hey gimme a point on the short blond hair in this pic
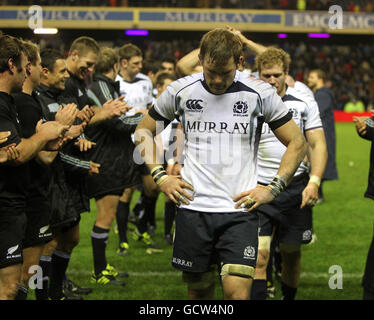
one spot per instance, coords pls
(107, 59)
(271, 57)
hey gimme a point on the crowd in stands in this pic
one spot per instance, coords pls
(349, 68)
(353, 5)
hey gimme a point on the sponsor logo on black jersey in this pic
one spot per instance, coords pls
(240, 109)
(194, 105)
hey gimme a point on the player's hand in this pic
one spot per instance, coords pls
(51, 130)
(84, 144)
(174, 187)
(86, 113)
(252, 199)
(4, 136)
(56, 144)
(115, 108)
(66, 115)
(75, 131)
(176, 169)
(94, 168)
(9, 153)
(309, 195)
(237, 32)
(361, 125)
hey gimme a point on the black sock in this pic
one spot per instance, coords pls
(45, 264)
(60, 262)
(99, 238)
(122, 217)
(21, 293)
(259, 290)
(289, 293)
(139, 206)
(150, 204)
(149, 212)
(169, 216)
(320, 192)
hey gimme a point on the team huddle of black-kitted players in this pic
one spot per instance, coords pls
(48, 123)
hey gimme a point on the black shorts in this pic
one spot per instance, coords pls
(294, 225)
(203, 239)
(12, 231)
(38, 231)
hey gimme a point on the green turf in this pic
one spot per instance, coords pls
(343, 224)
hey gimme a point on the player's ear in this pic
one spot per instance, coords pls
(123, 63)
(45, 72)
(74, 55)
(240, 64)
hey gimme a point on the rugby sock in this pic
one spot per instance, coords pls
(45, 264)
(150, 204)
(139, 206)
(149, 210)
(99, 238)
(169, 216)
(60, 262)
(259, 289)
(21, 293)
(289, 293)
(122, 217)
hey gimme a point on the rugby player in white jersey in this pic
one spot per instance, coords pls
(217, 195)
(137, 90)
(291, 212)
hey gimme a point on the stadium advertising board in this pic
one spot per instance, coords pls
(187, 19)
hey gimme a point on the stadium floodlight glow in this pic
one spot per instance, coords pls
(282, 35)
(136, 32)
(318, 35)
(45, 30)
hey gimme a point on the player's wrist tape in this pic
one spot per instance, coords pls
(277, 185)
(316, 180)
(159, 175)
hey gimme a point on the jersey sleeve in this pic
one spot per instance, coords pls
(6, 124)
(313, 120)
(275, 111)
(165, 104)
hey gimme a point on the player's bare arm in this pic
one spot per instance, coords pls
(290, 135)
(189, 64)
(256, 47)
(317, 155)
(172, 186)
(45, 132)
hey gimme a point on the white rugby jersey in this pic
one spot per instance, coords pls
(222, 133)
(299, 86)
(306, 115)
(138, 94)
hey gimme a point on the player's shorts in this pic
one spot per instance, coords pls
(294, 224)
(38, 231)
(12, 231)
(203, 239)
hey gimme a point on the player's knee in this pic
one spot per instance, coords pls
(291, 253)
(199, 281)
(126, 195)
(238, 270)
(289, 248)
(262, 259)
